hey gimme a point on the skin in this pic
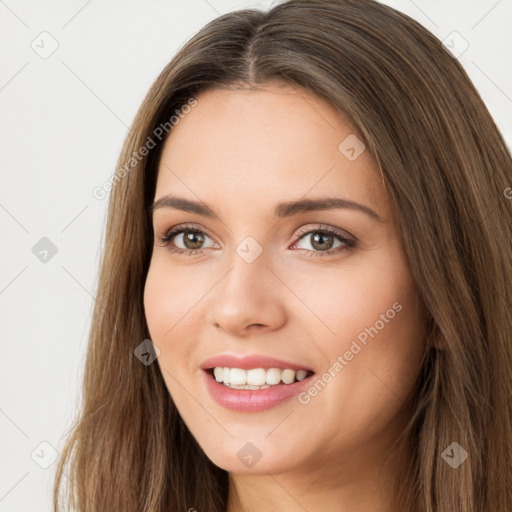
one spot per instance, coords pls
(241, 152)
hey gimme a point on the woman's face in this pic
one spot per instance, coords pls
(260, 287)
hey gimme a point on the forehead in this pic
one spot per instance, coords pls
(259, 147)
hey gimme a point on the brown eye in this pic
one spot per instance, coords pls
(322, 241)
(185, 238)
(192, 239)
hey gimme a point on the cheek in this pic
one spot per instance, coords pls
(373, 342)
(169, 300)
(171, 295)
(344, 300)
(371, 365)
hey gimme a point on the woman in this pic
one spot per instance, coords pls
(304, 301)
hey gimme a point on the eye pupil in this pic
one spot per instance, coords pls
(318, 245)
(189, 236)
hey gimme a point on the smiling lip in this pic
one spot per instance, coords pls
(246, 400)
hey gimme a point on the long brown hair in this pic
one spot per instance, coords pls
(447, 170)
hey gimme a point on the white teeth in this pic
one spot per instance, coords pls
(273, 376)
(301, 375)
(218, 373)
(247, 386)
(238, 377)
(288, 376)
(256, 378)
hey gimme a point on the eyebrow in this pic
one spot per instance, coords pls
(285, 209)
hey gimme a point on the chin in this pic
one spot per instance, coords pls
(241, 456)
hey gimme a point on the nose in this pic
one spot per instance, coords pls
(249, 297)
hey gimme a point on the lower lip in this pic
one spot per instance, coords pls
(246, 400)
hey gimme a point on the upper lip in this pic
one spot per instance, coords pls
(251, 361)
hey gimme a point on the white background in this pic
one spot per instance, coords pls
(62, 122)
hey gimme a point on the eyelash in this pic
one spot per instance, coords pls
(168, 235)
